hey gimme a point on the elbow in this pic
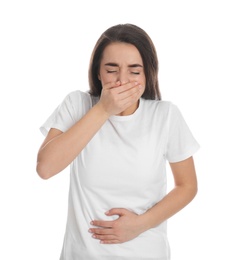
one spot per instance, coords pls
(193, 190)
(42, 171)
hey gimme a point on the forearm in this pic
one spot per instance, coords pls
(130, 225)
(173, 202)
(59, 152)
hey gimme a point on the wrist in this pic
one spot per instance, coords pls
(99, 106)
(144, 222)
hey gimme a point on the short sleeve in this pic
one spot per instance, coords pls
(72, 108)
(181, 143)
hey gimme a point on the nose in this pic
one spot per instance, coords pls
(123, 77)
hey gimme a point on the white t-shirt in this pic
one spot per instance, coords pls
(123, 166)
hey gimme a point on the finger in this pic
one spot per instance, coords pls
(130, 93)
(111, 85)
(126, 87)
(102, 223)
(101, 231)
(131, 98)
(122, 86)
(113, 241)
(116, 211)
(104, 237)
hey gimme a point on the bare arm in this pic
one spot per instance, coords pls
(60, 149)
(184, 191)
(129, 225)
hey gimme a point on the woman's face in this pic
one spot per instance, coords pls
(121, 62)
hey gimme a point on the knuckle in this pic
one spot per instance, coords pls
(132, 91)
(96, 223)
(98, 231)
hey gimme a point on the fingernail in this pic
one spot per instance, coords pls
(107, 212)
(91, 222)
(90, 231)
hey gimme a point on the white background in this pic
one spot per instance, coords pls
(45, 48)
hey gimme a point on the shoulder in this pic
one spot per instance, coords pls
(78, 95)
(158, 105)
(78, 103)
(78, 98)
(160, 109)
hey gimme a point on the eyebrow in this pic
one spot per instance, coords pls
(112, 64)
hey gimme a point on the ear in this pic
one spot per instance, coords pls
(98, 76)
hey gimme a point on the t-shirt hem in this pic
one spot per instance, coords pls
(44, 130)
(186, 155)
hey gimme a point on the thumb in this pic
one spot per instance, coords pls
(116, 211)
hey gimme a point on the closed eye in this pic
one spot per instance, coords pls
(135, 73)
(111, 71)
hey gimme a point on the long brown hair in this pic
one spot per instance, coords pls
(132, 34)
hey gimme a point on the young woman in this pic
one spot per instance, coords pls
(117, 139)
